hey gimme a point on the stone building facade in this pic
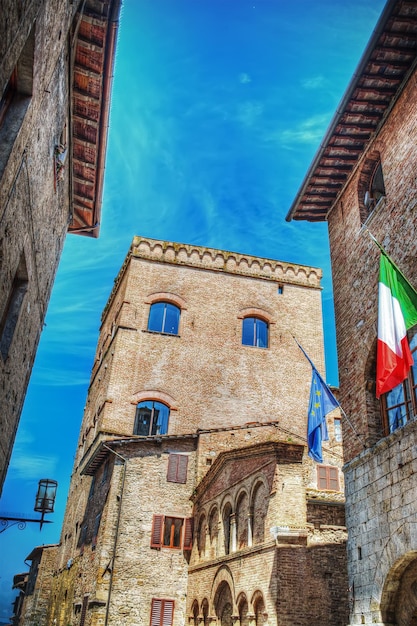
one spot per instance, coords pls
(363, 181)
(192, 497)
(36, 587)
(55, 76)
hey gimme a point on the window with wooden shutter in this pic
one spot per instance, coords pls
(328, 477)
(177, 468)
(156, 535)
(84, 610)
(162, 612)
(172, 532)
(188, 534)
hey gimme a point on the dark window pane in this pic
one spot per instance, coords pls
(177, 532)
(156, 317)
(254, 332)
(151, 418)
(396, 408)
(261, 334)
(143, 420)
(248, 331)
(172, 319)
(160, 419)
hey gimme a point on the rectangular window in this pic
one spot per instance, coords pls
(162, 612)
(8, 95)
(84, 610)
(171, 532)
(15, 99)
(399, 405)
(177, 468)
(337, 429)
(95, 533)
(328, 477)
(105, 472)
(10, 317)
(83, 537)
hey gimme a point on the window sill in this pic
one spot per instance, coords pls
(157, 332)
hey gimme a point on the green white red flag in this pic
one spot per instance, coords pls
(397, 312)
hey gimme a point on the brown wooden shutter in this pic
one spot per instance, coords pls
(177, 468)
(84, 610)
(156, 534)
(168, 612)
(334, 478)
(321, 477)
(162, 612)
(156, 610)
(188, 534)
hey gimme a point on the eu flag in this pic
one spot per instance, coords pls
(322, 401)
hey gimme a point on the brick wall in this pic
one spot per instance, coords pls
(224, 399)
(380, 513)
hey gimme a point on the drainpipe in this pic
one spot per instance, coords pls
(116, 534)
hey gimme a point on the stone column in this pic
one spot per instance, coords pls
(232, 533)
(250, 536)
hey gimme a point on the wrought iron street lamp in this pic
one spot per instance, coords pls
(44, 503)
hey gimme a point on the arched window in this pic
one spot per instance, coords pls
(227, 511)
(371, 186)
(164, 317)
(151, 418)
(255, 332)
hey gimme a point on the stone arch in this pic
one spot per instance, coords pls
(399, 595)
(242, 519)
(258, 509)
(202, 535)
(223, 593)
(226, 513)
(166, 296)
(158, 396)
(213, 531)
(256, 312)
(392, 563)
(205, 612)
(258, 608)
(194, 613)
(243, 609)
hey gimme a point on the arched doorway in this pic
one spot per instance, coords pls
(399, 597)
(224, 605)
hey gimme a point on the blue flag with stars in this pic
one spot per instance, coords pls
(322, 401)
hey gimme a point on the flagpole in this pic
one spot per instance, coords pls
(385, 253)
(340, 407)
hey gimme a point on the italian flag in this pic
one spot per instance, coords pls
(397, 312)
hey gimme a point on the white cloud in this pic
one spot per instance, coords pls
(314, 82)
(249, 112)
(309, 131)
(244, 78)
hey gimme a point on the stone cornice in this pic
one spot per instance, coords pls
(224, 261)
(198, 257)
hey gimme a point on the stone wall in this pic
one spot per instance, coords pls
(39, 585)
(34, 207)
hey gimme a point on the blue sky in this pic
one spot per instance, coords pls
(218, 108)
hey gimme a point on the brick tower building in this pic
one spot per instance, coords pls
(192, 498)
(363, 180)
